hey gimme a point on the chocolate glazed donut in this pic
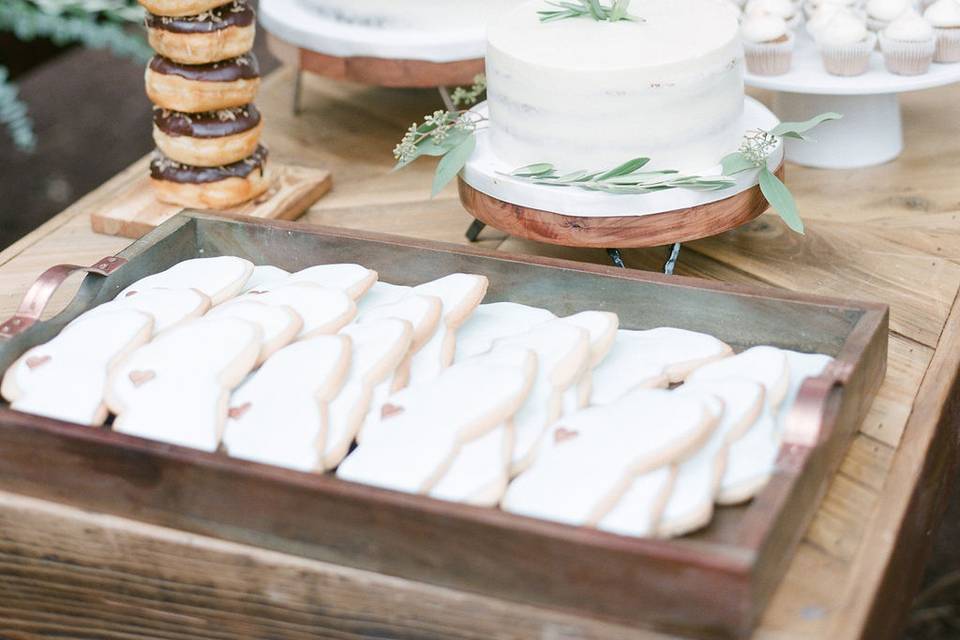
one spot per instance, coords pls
(225, 32)
(202, 87)
(208, 139)
(180, 7)
(210, 187)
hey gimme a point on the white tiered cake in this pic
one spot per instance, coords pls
(414, 15)
(586, 94)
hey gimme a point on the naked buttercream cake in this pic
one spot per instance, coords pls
(414, 15)
(666, 83)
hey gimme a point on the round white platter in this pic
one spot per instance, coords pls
(486, 173)
(297, 23)
(871, 131)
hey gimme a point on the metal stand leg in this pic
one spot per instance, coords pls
(447, 100)
(672, 260)
(297, 90)
(616, 258)
(474, 231)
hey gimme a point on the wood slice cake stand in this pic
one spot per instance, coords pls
(379, 57)
(623, 232)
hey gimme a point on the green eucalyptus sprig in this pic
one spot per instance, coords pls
(625, 178)
(447, 134)
(753, 153)
(578, 8)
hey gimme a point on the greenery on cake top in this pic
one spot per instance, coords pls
(451, 136)
(563, 9)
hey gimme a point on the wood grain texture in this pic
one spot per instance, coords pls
(381, 72)
(135, 211)
(834, 586)
(621, 232)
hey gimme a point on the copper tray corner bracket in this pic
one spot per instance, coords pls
(37, 297)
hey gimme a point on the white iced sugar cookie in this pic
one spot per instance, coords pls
(766, 365)
(323, 310)
(65, 378)
(426, 425)
(278, 415)
(563, 351)
(480, 471)
(650, 359)
(167, 307)
(264, 276)
(379, 294)
(218, 278)
(637, 512)
(690, 505)
(176, 388)
(423, 314)
(377, 349)
(602, 327)
(802, 366)
(279, 324)
(751, 458)
(352, 279)
(591, 458)
(460, 293)
(496, 320)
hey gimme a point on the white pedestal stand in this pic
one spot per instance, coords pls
(871, 131)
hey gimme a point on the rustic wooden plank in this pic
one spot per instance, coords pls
(104, 576)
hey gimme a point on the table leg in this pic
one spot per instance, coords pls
(297, 90)
(672, 259)
(474, 231)
(616, 258)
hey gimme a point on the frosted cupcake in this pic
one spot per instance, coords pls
(944, 15)
(767, 44)
(845, 45)
(781, 8)
(810, 7)
(908, 44)
(881, 13)
(823, 15)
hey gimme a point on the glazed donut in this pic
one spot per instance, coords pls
(180, 7)
(210, 187)
(209, 139)
(203, 87)
(225, 32)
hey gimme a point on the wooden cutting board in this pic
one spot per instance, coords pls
(134, 211)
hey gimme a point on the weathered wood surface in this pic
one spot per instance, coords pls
(887, 233)
(135, 211)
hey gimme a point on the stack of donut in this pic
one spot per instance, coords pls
(202, 83)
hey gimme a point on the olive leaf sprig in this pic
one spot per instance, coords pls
(625, 178)
(447, 134)
(752, 154)
(577, 8)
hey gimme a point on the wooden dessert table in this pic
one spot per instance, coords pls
(888, 234)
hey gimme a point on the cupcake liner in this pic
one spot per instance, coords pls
(907, 58)
(769, 58)
(848, 59)
(948, 44)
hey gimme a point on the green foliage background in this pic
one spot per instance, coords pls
(97, 24)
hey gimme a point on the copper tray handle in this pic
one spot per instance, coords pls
(805, 422)
(37, 297)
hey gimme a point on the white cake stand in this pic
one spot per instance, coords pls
(871, 130)
(402, 58)
(580, 218)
